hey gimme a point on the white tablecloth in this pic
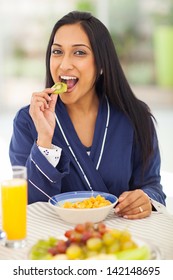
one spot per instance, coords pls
(44, 222)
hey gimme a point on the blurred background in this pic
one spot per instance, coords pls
(143, 36)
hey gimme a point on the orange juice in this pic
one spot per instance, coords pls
(14, 205)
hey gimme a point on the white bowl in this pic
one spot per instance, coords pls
(75, 216)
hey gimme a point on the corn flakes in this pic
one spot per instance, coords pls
(92, 202)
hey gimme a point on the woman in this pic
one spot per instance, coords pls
(95, 136)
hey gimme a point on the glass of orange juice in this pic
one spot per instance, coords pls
(14, 207)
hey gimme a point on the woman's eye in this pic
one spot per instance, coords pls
(56, 52)
(80, 53)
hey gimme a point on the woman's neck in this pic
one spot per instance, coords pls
(83, 117)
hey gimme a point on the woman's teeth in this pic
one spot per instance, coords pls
(64, 78)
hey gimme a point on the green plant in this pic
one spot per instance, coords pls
(85, 5)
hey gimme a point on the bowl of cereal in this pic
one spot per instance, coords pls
(83, 206)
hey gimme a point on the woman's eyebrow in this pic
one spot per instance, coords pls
(81, 45)
(75, 45)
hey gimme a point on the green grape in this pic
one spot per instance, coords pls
(74, 252)
(94, 244)
(125, 236)
(40, 249)
(108, 238)
(52, 241)
(128, 245)
(116, 233)
(113, 248)
(39, 254)
(90, 254)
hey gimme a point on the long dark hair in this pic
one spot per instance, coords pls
(112, 82)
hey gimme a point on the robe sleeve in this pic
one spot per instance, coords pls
(24, 151)
(149, 182)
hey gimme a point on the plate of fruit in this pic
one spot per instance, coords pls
(89, 241)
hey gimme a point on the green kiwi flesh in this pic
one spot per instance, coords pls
(59, 88)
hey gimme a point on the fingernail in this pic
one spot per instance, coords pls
(125, 217)
(117, 210)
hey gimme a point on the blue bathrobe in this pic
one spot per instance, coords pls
(114, 164)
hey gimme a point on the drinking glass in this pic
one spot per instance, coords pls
(14, 207)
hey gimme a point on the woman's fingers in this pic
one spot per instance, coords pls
(134, 204)
(137, 212)
(42, 100)
(39, 102)
(42, 110)
(52, 102)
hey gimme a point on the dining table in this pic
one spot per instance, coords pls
(43, 222)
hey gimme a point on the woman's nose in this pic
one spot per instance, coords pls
(66, 63)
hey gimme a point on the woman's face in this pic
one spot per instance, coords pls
(72, 61)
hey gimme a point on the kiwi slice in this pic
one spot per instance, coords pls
(59, 88)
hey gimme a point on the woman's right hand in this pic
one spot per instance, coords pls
(42, 112)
